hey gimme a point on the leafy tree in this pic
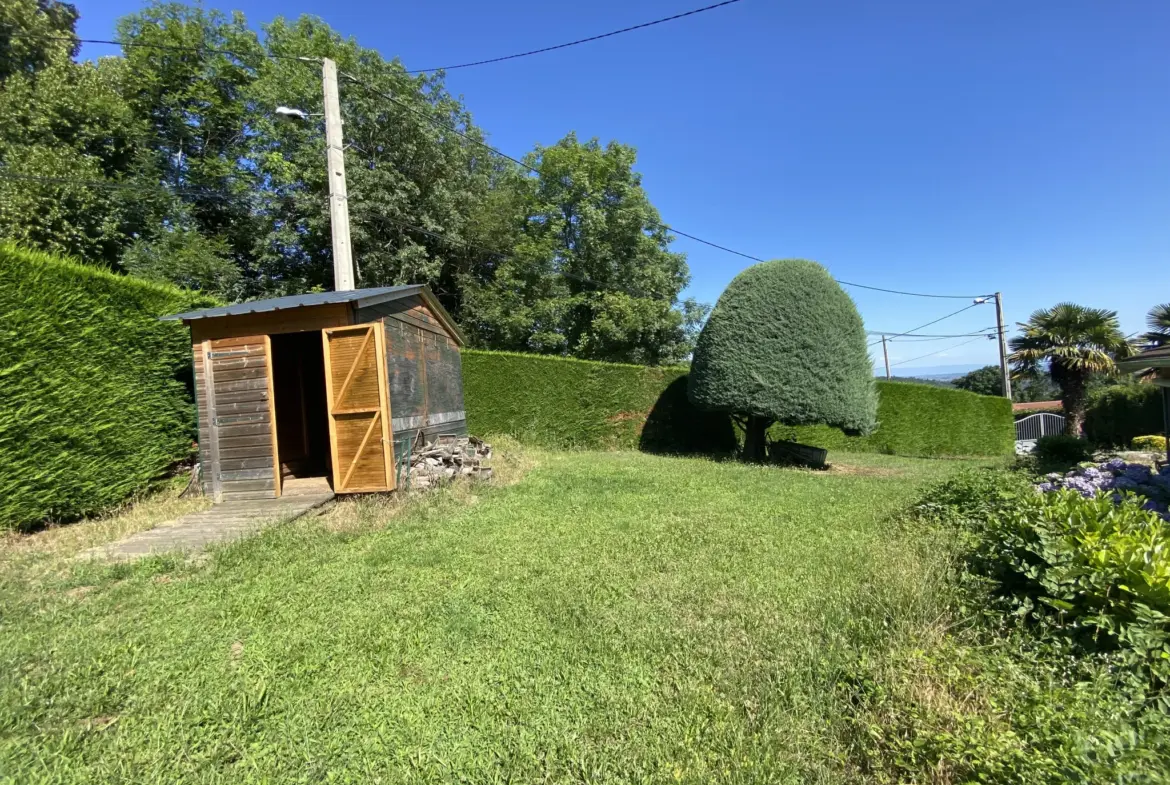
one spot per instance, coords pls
(591, 274)
(1074, 343)
(29, 33)
(1035, 386)
(63, 124)
(184, 256)
(785, 344)
(984, 381)
(189, 173)
(1159, 324)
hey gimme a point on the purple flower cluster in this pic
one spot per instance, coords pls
(1116, 476)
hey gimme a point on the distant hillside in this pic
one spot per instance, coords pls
(941, 380)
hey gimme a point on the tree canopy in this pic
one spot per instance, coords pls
(785, 344)
(1158, 321)
(169, 162)
(983, 381)
(1073, 344)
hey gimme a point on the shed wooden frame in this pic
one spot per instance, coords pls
(374, 369)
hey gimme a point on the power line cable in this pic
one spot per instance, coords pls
(936, 321)
(161, 47)
(468, 137)
(115, 184)
(577, 42)
(916, 339)
(659, 224)
(500, 255)
(932, 354)
(986, 333)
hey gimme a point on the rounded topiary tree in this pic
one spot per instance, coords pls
(785, 344)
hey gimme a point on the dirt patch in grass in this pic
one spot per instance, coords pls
(857, 470)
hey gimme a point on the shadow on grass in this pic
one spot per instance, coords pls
(675, 426)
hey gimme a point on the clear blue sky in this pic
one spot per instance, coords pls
(913, 144)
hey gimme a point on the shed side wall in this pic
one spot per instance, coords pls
(424, 371)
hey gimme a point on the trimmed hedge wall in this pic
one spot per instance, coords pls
(558, 402)
(94, 391)
(1117, 414)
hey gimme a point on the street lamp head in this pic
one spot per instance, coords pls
(291, 115)
(978, 300)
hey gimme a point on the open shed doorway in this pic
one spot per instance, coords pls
(302, 420)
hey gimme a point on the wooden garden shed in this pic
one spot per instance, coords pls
(333, 385)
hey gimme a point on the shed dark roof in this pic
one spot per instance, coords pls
(357, 296)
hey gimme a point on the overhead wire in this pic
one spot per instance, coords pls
(455, 129)
(578, 41)
(160, 47)
(668, 227)
(932, 354)
(504, 256)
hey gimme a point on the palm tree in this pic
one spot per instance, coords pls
(1074, 342)
(1159, 324)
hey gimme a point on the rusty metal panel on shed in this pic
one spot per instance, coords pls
(444, 380)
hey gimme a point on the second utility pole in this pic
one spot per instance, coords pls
(343, 278)
(1003, 361)
(886, 354)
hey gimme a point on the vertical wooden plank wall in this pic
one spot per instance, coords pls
(233, 395)
(424, 371)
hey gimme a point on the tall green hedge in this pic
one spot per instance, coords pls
(94, 391)
(1117, 414)
(576, 403)
(919, 419)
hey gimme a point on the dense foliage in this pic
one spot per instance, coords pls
(985, 381)
(785, 344)
(1061, 678)
(561, 402)
(169, 162)
(1158, 321)
(1062, 449)
(1149, 443)
(1074, 344)
(916, 419)
(94, 388)
(1119, 413)
(1091, 556)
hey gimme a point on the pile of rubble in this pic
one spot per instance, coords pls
(443, 459)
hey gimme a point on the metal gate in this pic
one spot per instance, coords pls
(1034, 426)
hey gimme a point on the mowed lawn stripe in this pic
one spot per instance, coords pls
(613, 617)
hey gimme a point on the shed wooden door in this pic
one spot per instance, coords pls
(359, 408)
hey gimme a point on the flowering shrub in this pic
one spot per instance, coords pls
(1116, 477)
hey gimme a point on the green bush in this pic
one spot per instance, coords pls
(1062, 450)
(917, 419)
(1118, 414)
(1057, 672)
(558, 402)
(94, 398)
(1149, 443)
(561, 402)
(786, 343)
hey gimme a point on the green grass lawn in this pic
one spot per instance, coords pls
(610, 617)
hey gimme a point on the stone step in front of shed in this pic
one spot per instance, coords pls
(223, 522)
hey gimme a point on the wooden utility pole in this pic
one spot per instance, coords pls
(343, 278)
(1003, 361)
(886, 355)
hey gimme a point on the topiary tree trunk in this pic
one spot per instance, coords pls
(755, 440)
